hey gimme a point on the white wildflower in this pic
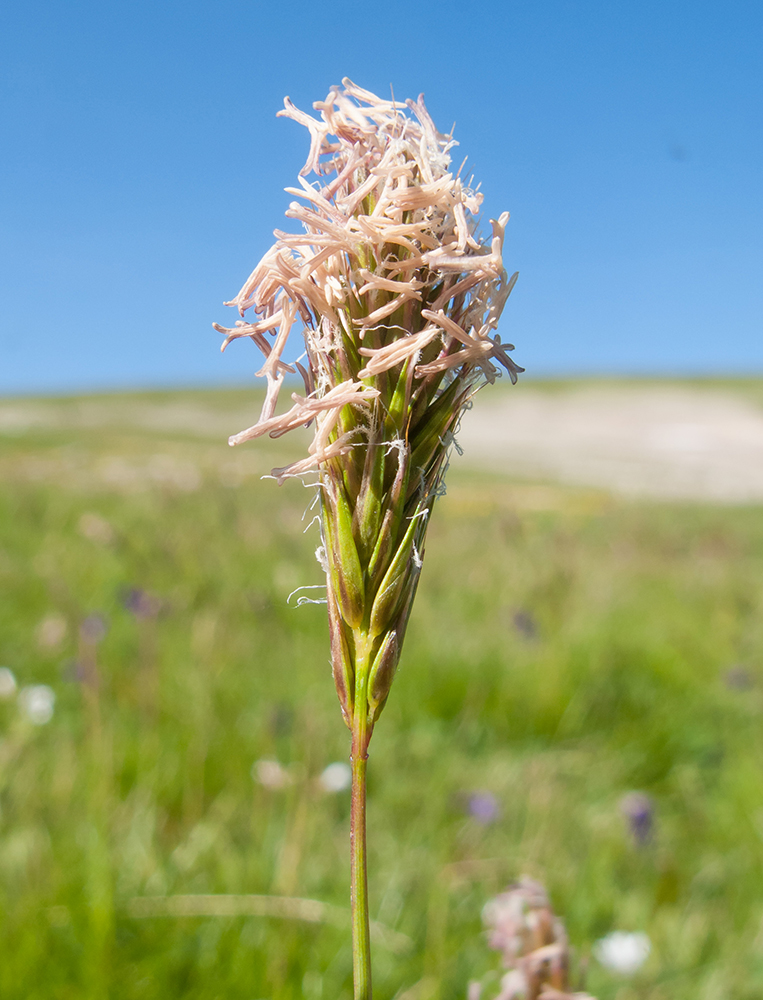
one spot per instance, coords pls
(37, 703)
(337, 777)
(271, 774)
(623, 952)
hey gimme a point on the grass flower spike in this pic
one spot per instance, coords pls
(398, 298)
(533, 943)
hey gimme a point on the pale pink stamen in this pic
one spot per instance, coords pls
(386, 310)
(418, 231)
(388, 357)
(305, 409)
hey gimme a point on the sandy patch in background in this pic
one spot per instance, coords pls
(192, 417)
(667, 442)
(664, 441)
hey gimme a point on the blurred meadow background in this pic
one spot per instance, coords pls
(581, 693)
(580, 699)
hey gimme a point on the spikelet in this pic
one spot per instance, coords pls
(399, 299)
(533, 944)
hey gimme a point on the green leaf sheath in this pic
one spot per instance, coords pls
(345, 573)
(390, 592)
(393, 515)
(382, 674)
(342, 665)
(368, 509)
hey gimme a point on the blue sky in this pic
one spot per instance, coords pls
(143, 170)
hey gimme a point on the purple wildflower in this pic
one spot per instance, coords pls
(638, 810)
(140, 603)
(484, 807)
(525, 624)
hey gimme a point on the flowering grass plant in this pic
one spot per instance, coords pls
(533, 944)
(399, 298)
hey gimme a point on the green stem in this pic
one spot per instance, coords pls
(361, 941)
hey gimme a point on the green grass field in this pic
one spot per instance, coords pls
(566, 648)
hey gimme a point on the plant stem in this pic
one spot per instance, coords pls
(361, 941)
